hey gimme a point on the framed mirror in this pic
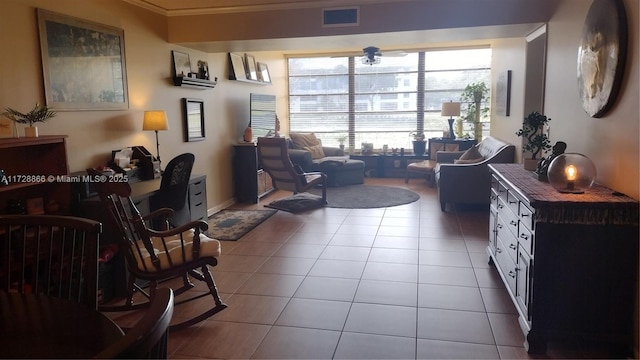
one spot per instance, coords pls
(193, 119)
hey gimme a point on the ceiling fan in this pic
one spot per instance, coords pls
(372, 55)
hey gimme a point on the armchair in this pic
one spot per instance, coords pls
(306, 151)
(273, 154)
(468, 182)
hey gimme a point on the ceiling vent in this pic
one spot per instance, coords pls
(341, 17)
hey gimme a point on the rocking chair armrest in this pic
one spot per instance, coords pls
(200, 224)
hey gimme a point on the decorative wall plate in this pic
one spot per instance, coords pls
(601, 56)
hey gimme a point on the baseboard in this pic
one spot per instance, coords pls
(224, 205)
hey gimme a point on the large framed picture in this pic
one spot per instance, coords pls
(83, 64)
(193, 119)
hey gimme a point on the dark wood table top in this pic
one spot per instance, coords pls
(36, 326)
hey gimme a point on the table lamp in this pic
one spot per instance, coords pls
(155, 120)
(451, 109)
(572, 173)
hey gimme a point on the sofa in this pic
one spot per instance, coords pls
(307, 152)
(462, 177)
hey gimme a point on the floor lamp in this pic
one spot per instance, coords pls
(451, 109)
(155, 120)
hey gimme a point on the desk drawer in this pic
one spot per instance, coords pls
(198, 200)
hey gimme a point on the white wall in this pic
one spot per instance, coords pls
(612, 142)
(92, 135)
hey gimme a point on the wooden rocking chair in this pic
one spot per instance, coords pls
(157, 255)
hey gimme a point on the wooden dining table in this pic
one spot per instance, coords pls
(38, 326)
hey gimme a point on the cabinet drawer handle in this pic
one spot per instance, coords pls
(498, 250)
(513, 202)
(499, 226)
(512, 246)
(513, 222)
(512, 274)
(500, 206)
(524, 215)
(524, 236)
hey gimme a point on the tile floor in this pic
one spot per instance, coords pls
(406, 282)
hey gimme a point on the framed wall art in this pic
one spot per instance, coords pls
(83, 64)
(602, 56)
(263, 73)
(193, 119)
(503, 93)
(252, 73)
(237, 70)
(181, 63)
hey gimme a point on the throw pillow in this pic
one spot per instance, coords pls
(316, 151)
(468, 161)
(471, 154)
(300, 141)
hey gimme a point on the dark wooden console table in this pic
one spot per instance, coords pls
(569, 261)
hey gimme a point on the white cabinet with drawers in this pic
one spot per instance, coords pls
(568, 261)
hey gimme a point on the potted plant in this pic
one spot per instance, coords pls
(40, 113)
(473, 96)
(536, 141)
(419, 144)
(341, 140)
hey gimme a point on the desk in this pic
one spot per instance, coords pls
(35, 326)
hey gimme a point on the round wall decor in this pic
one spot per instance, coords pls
(601, 56)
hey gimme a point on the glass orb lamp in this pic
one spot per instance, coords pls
(572, 173)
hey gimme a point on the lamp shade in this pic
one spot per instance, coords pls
(571, 173)
(451, 109)
(155, 120)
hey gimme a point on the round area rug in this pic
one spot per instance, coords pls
(367, 196)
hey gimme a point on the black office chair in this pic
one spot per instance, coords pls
(173, 190)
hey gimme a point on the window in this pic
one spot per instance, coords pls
(382, 103)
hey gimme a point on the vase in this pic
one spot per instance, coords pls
(31, 131)
(419, 147)
(248, 134)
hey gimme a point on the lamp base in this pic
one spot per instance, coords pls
(452, 135)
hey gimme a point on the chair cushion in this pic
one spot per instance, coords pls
(208, 247)
(308, 142)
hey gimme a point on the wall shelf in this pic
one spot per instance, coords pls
(231, 77)
(193, 82)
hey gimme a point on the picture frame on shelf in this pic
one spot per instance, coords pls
(237, 69)
(263, 73)
(89, 75)
(193, 119)
(252, 73)
(181, 63)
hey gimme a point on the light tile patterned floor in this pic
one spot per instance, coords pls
(407, 282)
